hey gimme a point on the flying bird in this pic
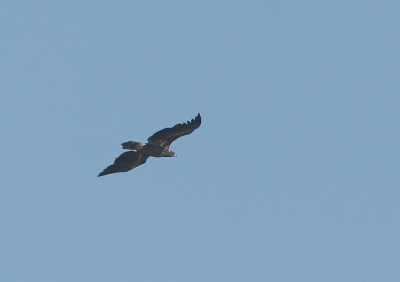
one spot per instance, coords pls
(157, 146)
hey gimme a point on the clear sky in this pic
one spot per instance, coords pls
(292, 176)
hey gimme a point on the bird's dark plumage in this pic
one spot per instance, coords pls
(172, 133)
(157, 146)
(125, 162)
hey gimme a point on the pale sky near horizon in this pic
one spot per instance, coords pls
(292, 176)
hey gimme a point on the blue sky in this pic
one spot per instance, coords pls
(292, 176)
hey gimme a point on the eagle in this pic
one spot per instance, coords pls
(157, 146)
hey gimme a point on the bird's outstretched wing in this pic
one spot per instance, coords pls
(125, 162)
(170, 134)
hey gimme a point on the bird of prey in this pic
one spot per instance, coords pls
(157, 146)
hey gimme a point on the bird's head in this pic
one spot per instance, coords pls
(170, 154)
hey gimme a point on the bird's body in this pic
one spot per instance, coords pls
(157, 146)
(151, 149)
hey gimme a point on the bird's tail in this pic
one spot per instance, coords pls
(131, 145)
